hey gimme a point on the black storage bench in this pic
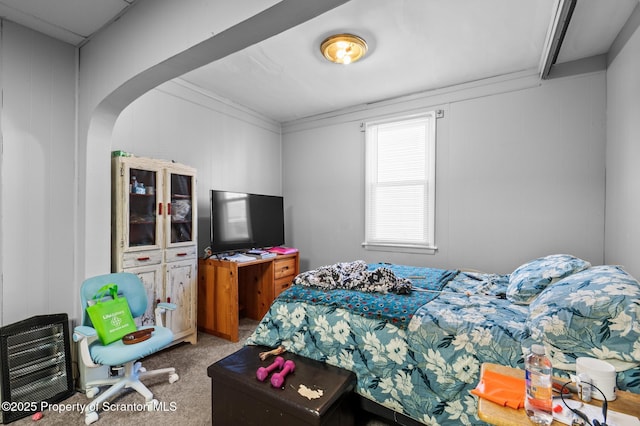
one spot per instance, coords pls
(239, 398)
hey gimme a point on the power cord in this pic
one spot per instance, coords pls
(583, 416)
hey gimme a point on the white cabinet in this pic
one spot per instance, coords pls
(153, 235)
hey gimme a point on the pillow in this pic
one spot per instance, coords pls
(592, 313)
(528, 280)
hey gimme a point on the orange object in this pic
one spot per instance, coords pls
(503, 390)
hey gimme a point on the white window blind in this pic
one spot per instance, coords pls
(400, 182)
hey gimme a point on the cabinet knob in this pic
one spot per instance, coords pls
(142, 259)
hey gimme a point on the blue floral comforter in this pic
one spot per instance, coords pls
(423, 367)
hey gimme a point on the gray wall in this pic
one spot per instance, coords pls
(38, 182)
(152, 43)
(231, 147)
(622, 243)
(539, 191)
(520, 174)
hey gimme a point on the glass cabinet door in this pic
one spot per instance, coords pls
(182, 200)
(143, 216)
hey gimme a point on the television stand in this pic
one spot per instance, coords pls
(225, 286)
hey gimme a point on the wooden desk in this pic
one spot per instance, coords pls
(625, 402)
(227, 290)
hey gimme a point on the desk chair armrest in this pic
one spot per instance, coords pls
(161, 308)
(83, 331)
(83, 335)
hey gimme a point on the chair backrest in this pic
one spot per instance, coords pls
(129, 286)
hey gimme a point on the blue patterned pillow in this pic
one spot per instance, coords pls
(528, 280)
(593, 313)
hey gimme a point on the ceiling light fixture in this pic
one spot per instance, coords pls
(343, 48)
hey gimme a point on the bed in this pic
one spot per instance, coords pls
(418, 355)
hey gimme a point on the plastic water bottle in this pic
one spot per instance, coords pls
(538, 399)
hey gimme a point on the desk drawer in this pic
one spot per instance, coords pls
(281, 285)
(284, 268)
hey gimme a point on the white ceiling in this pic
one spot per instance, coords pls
(414, 46)
(72, 21)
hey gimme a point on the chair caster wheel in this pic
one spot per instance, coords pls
(152, 405)
(173, 378)
(91, 392)
(90, 418)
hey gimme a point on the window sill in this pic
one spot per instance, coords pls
(400, 248)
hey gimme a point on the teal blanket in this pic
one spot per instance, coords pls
(397, 309)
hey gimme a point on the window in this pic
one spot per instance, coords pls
(400, 183)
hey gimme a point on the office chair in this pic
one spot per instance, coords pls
(116, 364)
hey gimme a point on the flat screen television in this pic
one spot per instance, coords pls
(243, 221)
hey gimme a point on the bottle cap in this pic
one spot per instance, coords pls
(538, 349)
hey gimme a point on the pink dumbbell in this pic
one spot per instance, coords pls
(277, 380)
(263, 372)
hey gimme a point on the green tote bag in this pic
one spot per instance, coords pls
(112, 317)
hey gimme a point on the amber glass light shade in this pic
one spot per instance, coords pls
(343, 48)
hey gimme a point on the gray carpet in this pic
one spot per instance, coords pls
(187, 401)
